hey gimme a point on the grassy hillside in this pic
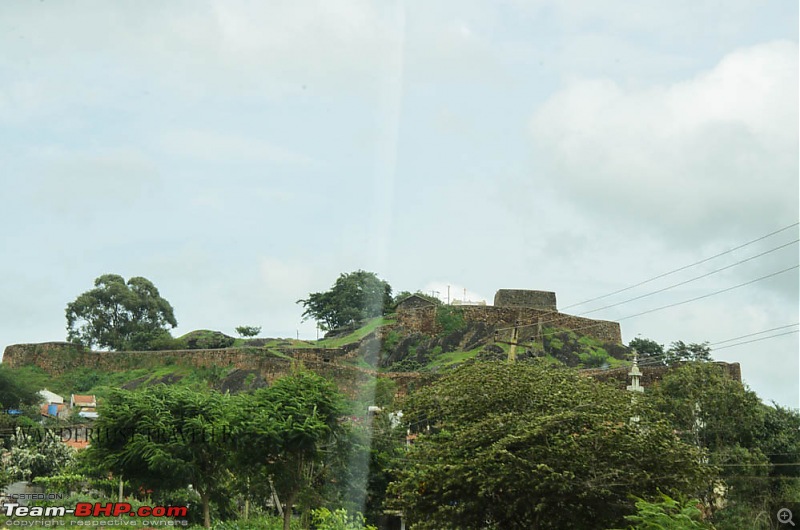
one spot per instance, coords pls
(380, 344)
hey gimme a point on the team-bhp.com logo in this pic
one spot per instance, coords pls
(95, 509)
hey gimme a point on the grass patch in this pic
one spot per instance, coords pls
(453, 357)
(357, 335)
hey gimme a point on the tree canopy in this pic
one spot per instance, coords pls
(165, 437)
(248, 331)
(755, 445)
(119, 315)
(533, 447)
(286, 431)
(14, 392)
(354, 297)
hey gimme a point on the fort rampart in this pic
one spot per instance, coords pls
(423, 320)
(55, 358)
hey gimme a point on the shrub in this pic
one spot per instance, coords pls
(450, 319)
(324, 519)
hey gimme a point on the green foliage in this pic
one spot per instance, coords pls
(535, 446)
(86, 379)
(390, 341)
(283, 434)
(165, 437)
(204, 339)
(324, 519)
(266, 522)
(749, 440)
(355, 336)
(701, 401)
(679, 351)
(62, 482)
(14, 391)
(578, 351)
(594, 358)
(119, 315)
(355, 297)
(450, 319)
(666, 514)
(402, 295)
(35, 453)
(248, 331)
(646, 348)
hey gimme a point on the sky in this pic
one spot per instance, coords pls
(242, 155)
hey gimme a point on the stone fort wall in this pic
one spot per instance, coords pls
(652, 374)
(55, 358)
(525, 298)
(423, 320)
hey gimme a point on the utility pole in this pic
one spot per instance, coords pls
(512, 349)
(448, 295)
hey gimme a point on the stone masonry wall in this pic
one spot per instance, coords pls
(525, 298)
(55, 358)
(652, 374)
(423, 320)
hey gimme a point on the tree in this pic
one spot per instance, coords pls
(679, 351)
(284, 433)
(165, 437)
(119, 315)
(708, 407)
(35, 453)
(248, 331)
(14, 392)
(535, 447)
(647, 348)
(402, 295)
(354, 297)
(752, 442)
(667, 514)
(324, 519)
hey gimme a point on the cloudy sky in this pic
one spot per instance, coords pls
(243, 154)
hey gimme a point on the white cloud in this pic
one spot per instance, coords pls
(110, 54)
(79, 182)
(285, 278)
(693, 159)
(208, 145)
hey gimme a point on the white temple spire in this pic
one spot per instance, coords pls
(635, 374)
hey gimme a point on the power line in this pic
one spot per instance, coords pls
(691, 279)
(710, 294)
(754, 334)
(756, 340)
(685, 266)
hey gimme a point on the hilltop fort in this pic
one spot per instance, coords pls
(530, 311)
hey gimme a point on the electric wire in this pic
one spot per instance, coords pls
(714, 293)
(690, 280)
(756, 340)
(754, 334)
(669, 273)
(707, 295)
